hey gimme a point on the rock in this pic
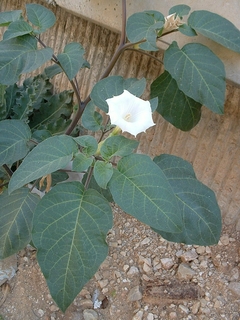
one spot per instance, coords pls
(189, 256)
(133, 270)
(224, 240)
(53, 308)
(150, 316)
(134, 294)
(145, 241)
(147, 268)
(184, 308)
(167, 263)
(103, 283)
(90, 315)
(196, 307)
(173, 315)
(8, 268)
(126, 267)
(185, 272)
(86, 304)
(138, 315)
(234, 287)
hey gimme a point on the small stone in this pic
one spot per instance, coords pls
(234, 274)
(134, 294)
(234, 287)
(40, 312)
(184, 308)
(103, 283)
(185, 272)
(138, 315)
(189, 256)
(172, 315)
(196, 307)
(133, 270)
(90, 315)
(126, 267)
(150, 316)
(146, 268)
(200, 250)
(86, 304)
(224, 240)
(145, 241)
(167, 263)
(53, 308)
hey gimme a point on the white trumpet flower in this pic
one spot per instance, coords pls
(172, 23)
(130, 113)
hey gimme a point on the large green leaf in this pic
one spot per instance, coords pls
(117, 146)
(200, 211)
(16, 29)
(9, 16)
(180, 10)
(40, 17)
(145, 26)
(81, 162)
(16, 220)
(215, 27)
(70, 228)
(91, 119)
(103, 172)
(48, 156)
(199, 73)
(114, 86)
(141, 189)
(20, 55)
(14, 138)
(72, 59)
(88, 143)
(175, 107)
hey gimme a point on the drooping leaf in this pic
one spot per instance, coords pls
(40, 17)
(81, 162)
(52, 71)
(117, 146)
(145, 26)
(48, 156)
(88, 143)
(175, 107)
(70, 228)
(180, 10)
(199, 73)
(141, 189)
(199, 209)
(102, 172)
(16, 29)
(114, 86)
(50, 111)
(215, 27)
(72, 59)
(20, 55)
(14, 138)
(9, 16)
(91, 119)
(16, 220)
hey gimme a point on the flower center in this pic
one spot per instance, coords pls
(127, 117)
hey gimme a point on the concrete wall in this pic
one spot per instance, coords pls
(213, 146)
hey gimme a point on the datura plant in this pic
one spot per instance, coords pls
(47, 136)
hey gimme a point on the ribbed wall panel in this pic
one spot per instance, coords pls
(213, 146)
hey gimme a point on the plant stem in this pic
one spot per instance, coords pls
(146, 54)
(8, 170)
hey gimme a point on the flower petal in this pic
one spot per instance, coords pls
(130, 113)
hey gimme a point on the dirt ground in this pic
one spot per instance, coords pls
(144, 277)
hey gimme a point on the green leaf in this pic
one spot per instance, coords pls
(9, 16)
(48, 156)
(58, 105)
(117, 146)
(20, 55)
(187, 30)
(114, 86)
(81, 162)
(93, 185)
(215, 27)
(72, 59)
(200, 211)
(40, 135)
(141, 189)
(103, 172)
(145, 26)
(180, 10)
(91, 119)
(52, 71)
(4, 108)
(70, 228)
(199, 73)
(88, 143)
(14, 138)
(16, 220)
(40, 17)
(11, 94)
(16, 29)
(175, 107)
